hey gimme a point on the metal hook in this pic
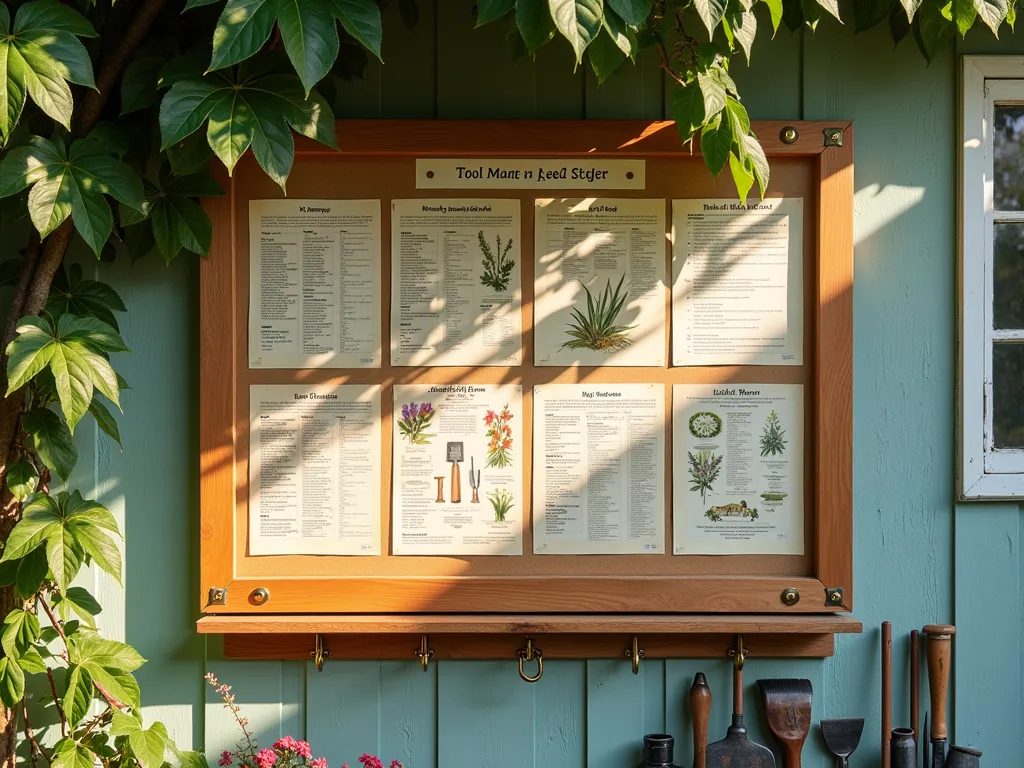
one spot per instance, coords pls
(530, 653)
(635, 653)
(319, 653)
(739, 653)
(425, 652)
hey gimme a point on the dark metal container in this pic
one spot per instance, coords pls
(963, 757)
(658, 751)
(903, 748)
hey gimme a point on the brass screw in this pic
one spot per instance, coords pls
(836, 597)
(790, 596)
(789, 135)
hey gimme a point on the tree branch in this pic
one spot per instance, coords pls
(56, 703)
(28, 268)
(30, 735)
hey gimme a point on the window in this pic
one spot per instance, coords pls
(991, 351)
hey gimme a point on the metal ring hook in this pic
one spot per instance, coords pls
(319, 653)
(530, 653)
(635, 653)
(425, 652)
(739, 653)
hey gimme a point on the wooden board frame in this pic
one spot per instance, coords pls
(829, 429)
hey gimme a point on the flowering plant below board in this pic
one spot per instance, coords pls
(286, 752)
(499, 438)
(416, 417)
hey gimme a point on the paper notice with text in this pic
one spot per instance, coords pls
(457, 479)
(456, 291)
(599, 282)
(314, 284)
(738, 469)
(599, 469)
(314, 469)
(737, 282)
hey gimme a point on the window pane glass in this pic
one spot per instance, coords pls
(1008, 395)
(1008, 277)
(1008, 158)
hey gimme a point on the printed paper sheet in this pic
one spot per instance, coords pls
(615, 250)
(599, 469)
(457, 476)
(314, 469)
(737, 282)
(738, 469)
(456, 291)
(314, 284)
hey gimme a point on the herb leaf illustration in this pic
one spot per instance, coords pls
(772, 437)
(597, 329)
(497, 268)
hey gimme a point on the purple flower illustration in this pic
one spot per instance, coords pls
(416, 417)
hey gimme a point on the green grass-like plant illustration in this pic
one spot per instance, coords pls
(597, 329)
(497, 268)
(773, 442)
(501, 503)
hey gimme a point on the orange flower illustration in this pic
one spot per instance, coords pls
(499, 434)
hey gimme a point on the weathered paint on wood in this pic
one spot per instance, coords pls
(918, 559)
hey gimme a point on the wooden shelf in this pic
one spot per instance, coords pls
(495, 637)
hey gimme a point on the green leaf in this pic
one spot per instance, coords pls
(579, 21)
(139, 83)
(12, 684)
(71, 295)
(260, 113)
(21, 630)
(39, 517)
(78, 693)
(32, 570)
(870, 13)
(832, 6)
(492, 10)
(179, 223)
(197, 4)
(124, 725)
(992, 12)
(688, 109)
(741, 176)
(244, 26)
(22, 479)
(105, 420)
(361, 19)
(910, 6)
(64, 555)
(899, 25)
(70, 754)
(633, 12)
(932, 30)
(31, 661)
(150, 745)
(310, 37)
(713, 92)
(535, 23)
(605, 57)
(964, 13)
(715, 145)
(744, 29)
(193, 760)
(711, 12)
(70, 184)
(775, 10)
(623, 37)
(739, 120)
(38, 58)
(51, 439)
(811, 13)
(758, 161)
(79, 600)
(112, 654)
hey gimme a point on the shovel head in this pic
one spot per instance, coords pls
(736, 750)
(842, 736)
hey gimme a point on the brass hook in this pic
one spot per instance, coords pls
(319, 653)
(739, 653)
(425, 652)
(635, 653)
(530, 653)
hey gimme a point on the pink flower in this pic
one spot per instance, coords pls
(369, 761)
(396, 764)
(266, 758)
(285, 743)
(225, 759)
(344, 765)
(318, 762)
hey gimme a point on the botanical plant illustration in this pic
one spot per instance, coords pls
(705, 425)
(499, 434)
(704, 469)
(501, 503)
(497, 268)
(715, 514)
(772, 437)
(416, 418)
(597, 329)
(286, 752)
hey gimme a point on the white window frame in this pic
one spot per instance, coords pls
(983, 472)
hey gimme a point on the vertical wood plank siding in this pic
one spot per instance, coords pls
(909, 567)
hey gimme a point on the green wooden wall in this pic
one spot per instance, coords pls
(919, 557)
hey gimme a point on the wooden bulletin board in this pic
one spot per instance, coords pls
(378, 160)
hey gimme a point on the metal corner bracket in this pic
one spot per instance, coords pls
(218, 596)
(833, 137)
(833, 596)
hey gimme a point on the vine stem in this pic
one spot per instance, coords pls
(56, 701)
(31, 736)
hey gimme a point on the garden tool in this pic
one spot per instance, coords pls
(700, 711)
(455, 456)
(474, 482)
(903, 748)
(842, 738)
(787, 704)
(940, 637)
(736, 750)
(925, 761)
(886, 693)
(915, 683)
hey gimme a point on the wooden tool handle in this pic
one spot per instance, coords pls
(915, 685)
(940, 637)
(886, 693)
(791, 754)
(737, 688)
(700, 710)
